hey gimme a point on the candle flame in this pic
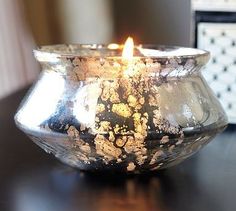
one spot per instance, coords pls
(128, 49)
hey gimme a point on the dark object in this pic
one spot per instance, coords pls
(213, 17)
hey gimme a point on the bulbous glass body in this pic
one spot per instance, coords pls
(96, 111)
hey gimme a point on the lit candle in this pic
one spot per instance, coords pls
(124, 107)
(121, 107)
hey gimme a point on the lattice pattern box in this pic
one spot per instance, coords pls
(220, 40)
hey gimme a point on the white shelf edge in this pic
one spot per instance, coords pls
(221, 7)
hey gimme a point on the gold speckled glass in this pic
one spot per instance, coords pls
(96, 111)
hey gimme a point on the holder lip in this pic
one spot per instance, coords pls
(50, 53)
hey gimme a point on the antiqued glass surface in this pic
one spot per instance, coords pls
(96, 111)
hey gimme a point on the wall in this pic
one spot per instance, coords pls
(43, 18)
(154, 21)
(70, 21)
(87, 21)
(17, 65)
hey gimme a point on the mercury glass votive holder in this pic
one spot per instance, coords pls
(97, 111)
